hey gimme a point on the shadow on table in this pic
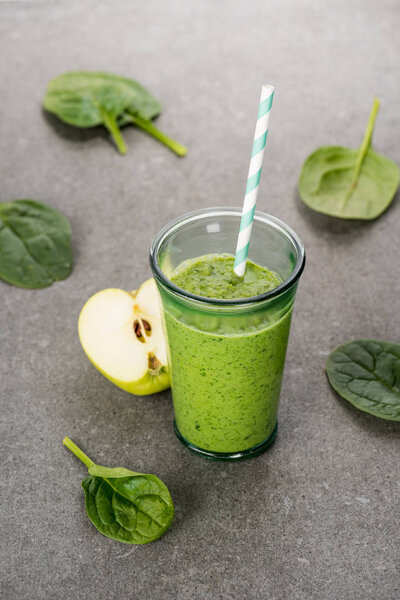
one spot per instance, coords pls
(218, 484)
(76, 134)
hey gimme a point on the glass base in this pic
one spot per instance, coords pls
(249, 453)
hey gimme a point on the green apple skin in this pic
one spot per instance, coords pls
(149, 384)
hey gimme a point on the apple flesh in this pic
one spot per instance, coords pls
(122, 335)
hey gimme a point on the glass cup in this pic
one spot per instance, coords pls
(226, 357)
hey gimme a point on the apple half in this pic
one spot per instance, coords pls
(122, 335)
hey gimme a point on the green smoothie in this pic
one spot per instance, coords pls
(213, 276)
(227, 368)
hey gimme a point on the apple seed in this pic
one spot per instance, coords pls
(138, 331)
(154, 363)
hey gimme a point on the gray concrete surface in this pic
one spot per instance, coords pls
(318, 515)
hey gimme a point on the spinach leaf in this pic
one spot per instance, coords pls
(349, 184)
(35, 244)
(123, 505)
(88, 99)
(367, 374)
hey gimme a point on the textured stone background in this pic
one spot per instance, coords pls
(318, 515)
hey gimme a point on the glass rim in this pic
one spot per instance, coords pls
(199, 214)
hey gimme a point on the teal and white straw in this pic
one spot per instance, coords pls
(253, 180)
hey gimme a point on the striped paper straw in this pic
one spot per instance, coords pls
(253, 180)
